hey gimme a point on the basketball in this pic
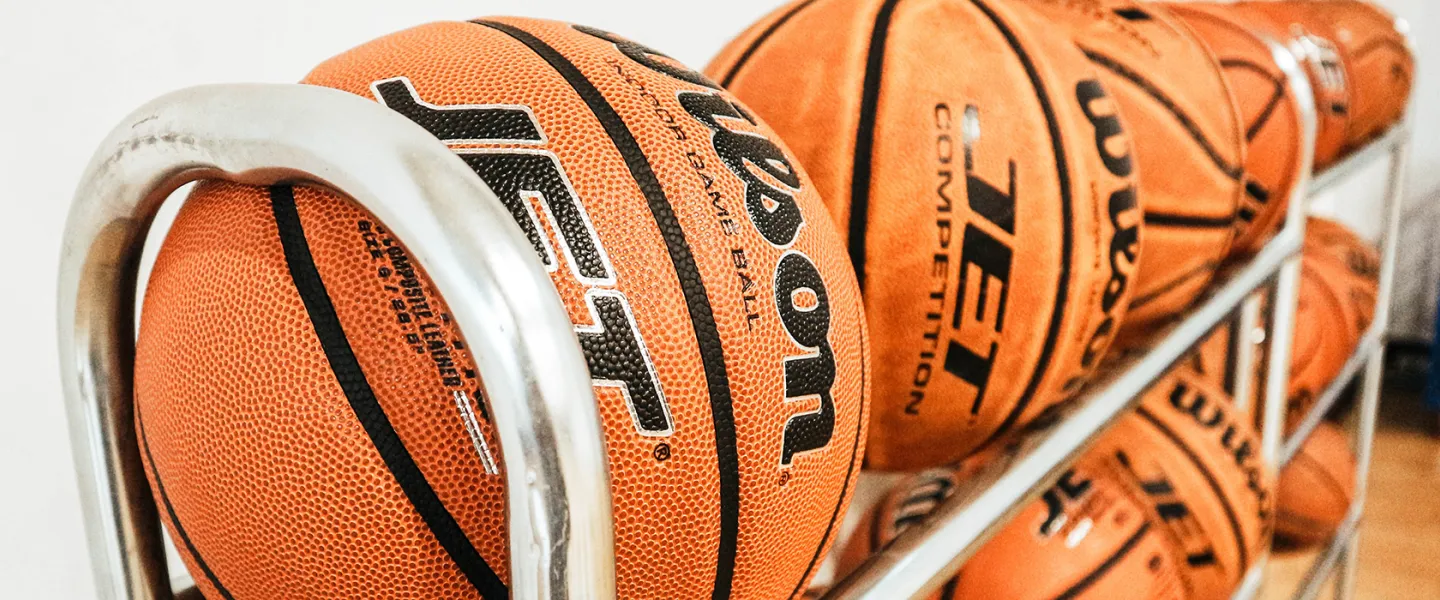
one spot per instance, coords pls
(1359, 63)
(312, 423)
(994, 228)
(1336, 245)
(911, 500)
(1314, 491)
(1375, 57)
(1087, 537)
(1196, 461)
(1339, 282)
(1269, 117)
(1188, 140)
(1378, 61)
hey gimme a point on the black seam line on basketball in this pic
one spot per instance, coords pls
(849, 473)
(697, 300)
(1094, 576)
(1374, 45)
(367, 409)
(1172, 284)
(1250, 65)
(865, 140)
(1276, 95)
(1062, 173)
(1157, 219)
(170, 510)
(834, 515)
(1209, 479)
(759, 41)
(1114, 66)
(1263, 118)
(951, 586)
(1232, 354)
(1327, 479)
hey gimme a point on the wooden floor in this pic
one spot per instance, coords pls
(1400, 535)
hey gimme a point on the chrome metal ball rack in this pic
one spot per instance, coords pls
(561, 530)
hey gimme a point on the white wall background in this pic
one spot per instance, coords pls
(72, 68)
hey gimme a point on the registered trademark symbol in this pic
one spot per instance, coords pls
(662, 452)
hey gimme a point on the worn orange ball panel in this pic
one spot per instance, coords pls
(1189, 144)
(1269, 114)
(982, 173)
(1314, 491)
(312, 422)
(1339, 281)
(1087, 537)
(1196, 461)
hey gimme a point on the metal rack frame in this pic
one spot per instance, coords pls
(534, 373)
(461, 233)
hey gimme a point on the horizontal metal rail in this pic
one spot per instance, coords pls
(1364, 352)
(1337, 174)
(1329, 558)
(925, 555)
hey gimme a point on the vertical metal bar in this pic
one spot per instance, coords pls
(127, 557)
(535, 377)
(1349, 571)
(1287, 282)
(1247, 336)
(1375, 368)
(1284, 294)
(1277, 378)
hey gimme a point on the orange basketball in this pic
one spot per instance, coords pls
(1336, 245)
(312, 422)
(1189, 144)
(1087, 537)
(1312, 41)
(1338, 285)
(1197, 462)
(1375, 56)
(1314, 491)
(982, 174)
(1378, 61)
(1269, 114)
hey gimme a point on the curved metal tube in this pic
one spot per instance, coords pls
(503, 300)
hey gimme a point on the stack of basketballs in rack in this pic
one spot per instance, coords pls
(884, 234)
(1180, 141)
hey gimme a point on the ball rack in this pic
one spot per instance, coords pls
(922, 558)
(561, 529)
